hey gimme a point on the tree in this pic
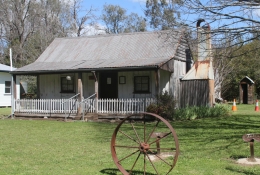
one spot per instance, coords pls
(78, 22)
(134, 23)
(18, 24)
(114, 17)
(234, 27)
(239, 18)
(162, 14)
(117, 21)
(29, 26)
(247, 64)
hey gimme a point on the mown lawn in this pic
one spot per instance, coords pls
(207, 146)
(4, 112)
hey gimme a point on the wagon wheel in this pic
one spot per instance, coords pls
(144, 143)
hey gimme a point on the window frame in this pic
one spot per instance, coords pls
(67, 84)
(147, 84)
(122, 80)
(8, 87)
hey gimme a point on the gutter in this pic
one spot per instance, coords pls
(84, 70)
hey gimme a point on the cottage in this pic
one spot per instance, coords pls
(5, 86)
(107, 73)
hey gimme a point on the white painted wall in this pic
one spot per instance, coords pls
(5, 98)
(50, 85)
(164, 81)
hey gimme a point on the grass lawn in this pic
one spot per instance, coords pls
(207, 146)
(4, 112)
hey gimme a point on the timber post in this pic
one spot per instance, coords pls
(211, 93)
(157, 82)
(96, 90)
(38, 86)
(80, 91)
(14, 94)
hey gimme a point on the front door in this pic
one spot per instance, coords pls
(108, 85)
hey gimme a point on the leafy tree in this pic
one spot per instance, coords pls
(162, 14)
(114, 17)
(246, 64)
(117, 21)
(29, 26)
(134, 23)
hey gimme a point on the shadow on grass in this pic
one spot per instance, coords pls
(233, 122)
(241, 171)
(235, 157)
(113, 171)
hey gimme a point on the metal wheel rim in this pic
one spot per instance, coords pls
(159, 119)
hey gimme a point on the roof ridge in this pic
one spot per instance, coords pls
(125, 34)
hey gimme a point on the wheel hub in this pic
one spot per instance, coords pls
(144, 147)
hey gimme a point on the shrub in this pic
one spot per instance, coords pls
(195, 112)
(164, 107)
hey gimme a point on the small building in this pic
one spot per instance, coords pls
(5, 86)
(246, 91)
(120, 73)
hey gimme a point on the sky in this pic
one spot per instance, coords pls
(131, 6)
(135, 6)
(138, 6)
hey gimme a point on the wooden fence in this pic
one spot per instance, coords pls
(59, 106)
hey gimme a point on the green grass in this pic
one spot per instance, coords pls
(4, 112)
(244, 109)
(208, 146)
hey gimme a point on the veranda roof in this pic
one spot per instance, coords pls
(4, 68)
(131, 50)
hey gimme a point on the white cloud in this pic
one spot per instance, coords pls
(95, 29)
(141, 1)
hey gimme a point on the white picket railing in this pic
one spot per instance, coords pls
(59, 106)
(124, 106)
(45, 106)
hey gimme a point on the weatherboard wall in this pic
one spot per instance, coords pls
(50, 85)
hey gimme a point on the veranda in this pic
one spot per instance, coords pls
(72, 107)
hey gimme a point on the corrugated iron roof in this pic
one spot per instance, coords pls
(200, 70)
(142, 49)
(4, 68)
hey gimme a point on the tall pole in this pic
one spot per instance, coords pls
(12, 84)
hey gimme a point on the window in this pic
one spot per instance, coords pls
(7, 87)
(141, 84)
(122, 80)
(67, 85)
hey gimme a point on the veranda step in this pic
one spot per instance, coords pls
(61, 116)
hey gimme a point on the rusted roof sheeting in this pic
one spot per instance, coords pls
(200, 70)
(142, 49)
